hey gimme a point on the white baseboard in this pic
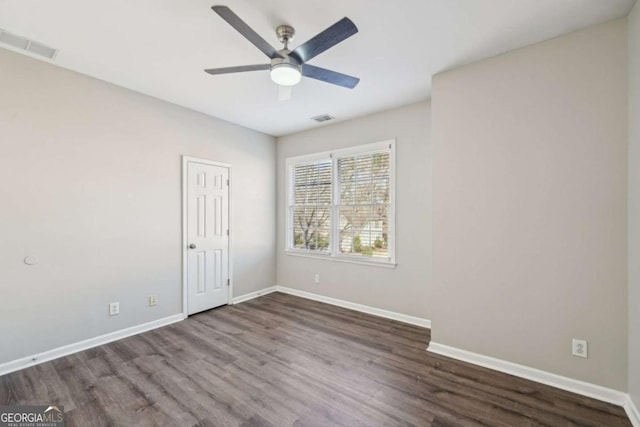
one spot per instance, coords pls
(256, 294)
(418, 321)
(36, 359)
(580, 387)
(569, 384)
(632, 411)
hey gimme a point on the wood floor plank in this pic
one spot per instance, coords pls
(280, 360)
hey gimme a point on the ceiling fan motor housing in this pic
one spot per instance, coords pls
(286, 71)
(286, 60)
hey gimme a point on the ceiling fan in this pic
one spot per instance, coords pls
(287, 67)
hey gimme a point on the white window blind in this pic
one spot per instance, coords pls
(341, 204)
(363, 209)
(311, 208)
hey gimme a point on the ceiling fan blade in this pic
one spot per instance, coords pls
(240, 26)
(329, 76)
(341, 30)
(238, 69)
(284, 92)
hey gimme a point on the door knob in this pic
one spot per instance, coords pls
(192, 246)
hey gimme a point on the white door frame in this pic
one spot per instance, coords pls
(185, 162)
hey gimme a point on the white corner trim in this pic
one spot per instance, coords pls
(36, 359)
(569, 384)
(632, 411)
(256, 294)
(418, 321)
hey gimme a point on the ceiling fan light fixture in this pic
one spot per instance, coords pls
(286, 74)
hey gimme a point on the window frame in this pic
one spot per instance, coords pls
(387, 146)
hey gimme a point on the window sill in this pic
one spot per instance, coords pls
(348, 260)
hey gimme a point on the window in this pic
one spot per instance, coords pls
(311, 207)
(340, 204)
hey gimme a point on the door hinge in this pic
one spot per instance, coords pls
(227, 183)
(228, 282)
(227, 231)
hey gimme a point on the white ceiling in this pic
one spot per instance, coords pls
(160, 47)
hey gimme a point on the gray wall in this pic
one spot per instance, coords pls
(530, 188)
(90, 182)
(634, 203)
(403, 289)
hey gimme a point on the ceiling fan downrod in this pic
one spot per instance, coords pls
(285, 34)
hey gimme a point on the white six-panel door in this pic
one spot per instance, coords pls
(207, 232)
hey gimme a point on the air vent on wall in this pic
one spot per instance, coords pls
(24, 43)
(322, 118)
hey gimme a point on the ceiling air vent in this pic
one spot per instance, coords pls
(23, 43)
(322, 118)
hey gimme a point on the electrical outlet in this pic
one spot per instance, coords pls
(579, 348)
(114, 308)
(153, 300)
(316, 279)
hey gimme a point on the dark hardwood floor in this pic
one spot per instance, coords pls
(280, 360)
